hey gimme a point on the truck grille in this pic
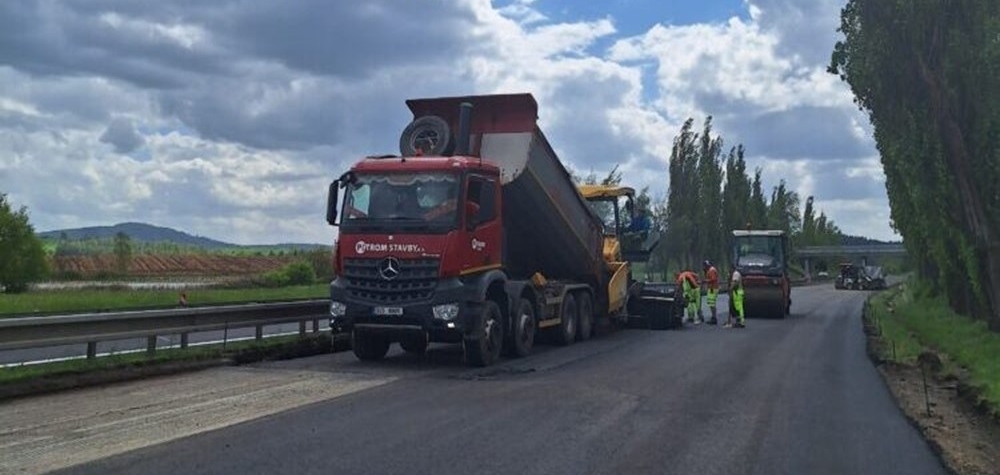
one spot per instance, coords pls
(413, 281)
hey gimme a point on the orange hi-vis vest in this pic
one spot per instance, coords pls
(691, 277)
(712, 278)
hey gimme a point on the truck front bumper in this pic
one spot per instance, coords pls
(452, 310)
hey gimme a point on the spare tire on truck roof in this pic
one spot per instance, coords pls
(430, 133)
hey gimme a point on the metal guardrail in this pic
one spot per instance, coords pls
(91, 328)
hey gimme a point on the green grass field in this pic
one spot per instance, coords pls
(921, 321)
(97, 300)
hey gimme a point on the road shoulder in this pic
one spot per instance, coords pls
(50, 432)
(939, 404)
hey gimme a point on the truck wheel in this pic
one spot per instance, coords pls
(484, 350)
(369, 347)
(415, 344)
(523, 327)
(566, 333)
(585, 309)
(430, 133)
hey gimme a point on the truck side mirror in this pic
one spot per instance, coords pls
(471, 214)
(331, 202)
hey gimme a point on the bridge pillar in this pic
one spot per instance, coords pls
(807, 266)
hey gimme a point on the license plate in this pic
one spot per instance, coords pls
(388, 310)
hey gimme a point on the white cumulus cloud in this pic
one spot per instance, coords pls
(228, 119)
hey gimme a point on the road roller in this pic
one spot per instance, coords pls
(761, 257)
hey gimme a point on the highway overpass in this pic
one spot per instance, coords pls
(851, 251)
(807, 254)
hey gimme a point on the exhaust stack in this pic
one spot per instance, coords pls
(464, 128)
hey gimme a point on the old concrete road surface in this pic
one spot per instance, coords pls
(781, 397)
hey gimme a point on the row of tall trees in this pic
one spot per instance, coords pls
(711, 193)
(927, 72)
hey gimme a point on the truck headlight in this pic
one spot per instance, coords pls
(446, 312)
(337, 309)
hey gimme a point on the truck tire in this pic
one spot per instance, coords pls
(484, 349)
(585, 316)
(416, 345)
(430, 133)
(523, 326)
(369, 347)
(566, 331)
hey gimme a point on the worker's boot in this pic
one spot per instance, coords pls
(713, 320)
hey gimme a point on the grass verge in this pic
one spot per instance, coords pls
(33, 379)
(102, 300)
(909, 321)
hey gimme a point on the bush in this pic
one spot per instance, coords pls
(276, 278)
(69, 275)
(322, 263)
(296, 273)
(300, 273)
(22, 257)
(105, 275)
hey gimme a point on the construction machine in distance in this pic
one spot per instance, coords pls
(857, 277)
(653, 303)
(476, 234)
(761, 257)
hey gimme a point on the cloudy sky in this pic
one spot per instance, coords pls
(228, 118)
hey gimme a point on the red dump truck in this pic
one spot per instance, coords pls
(475, 234)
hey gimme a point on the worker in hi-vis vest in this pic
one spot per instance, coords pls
(736, 295)
(711, 290)
(688, 282)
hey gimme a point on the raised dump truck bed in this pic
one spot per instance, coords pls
(548, 226)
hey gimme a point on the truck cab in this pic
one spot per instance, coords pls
(412, 231)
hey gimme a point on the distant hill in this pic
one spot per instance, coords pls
(136, 232)
(142, 232)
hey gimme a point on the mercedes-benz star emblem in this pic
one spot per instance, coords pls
(389, 268)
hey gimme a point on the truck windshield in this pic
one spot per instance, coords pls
(425, 198)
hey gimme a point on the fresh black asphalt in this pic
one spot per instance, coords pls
(794, 396)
